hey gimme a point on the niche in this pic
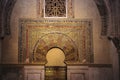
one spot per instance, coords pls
(55, 57)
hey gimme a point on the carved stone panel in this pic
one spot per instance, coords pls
(77, 73)
(37, 37)
(34, 73)
(55, 8)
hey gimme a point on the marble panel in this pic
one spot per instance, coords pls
(77, 73)
(34, 73)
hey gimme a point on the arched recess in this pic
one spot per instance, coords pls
(55, 40)
(55, 57)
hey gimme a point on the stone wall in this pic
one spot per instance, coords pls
(83, 9)
(115, 61)
(89, 73)
(22, 9)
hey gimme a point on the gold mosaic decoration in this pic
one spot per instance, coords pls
(52, 40)
(73, 36)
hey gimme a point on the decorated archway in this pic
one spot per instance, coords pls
(55, 40)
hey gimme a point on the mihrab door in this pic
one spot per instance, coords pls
(55, 73)
(55, 68)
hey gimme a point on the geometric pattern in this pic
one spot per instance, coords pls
(55, 8)
(55, 40)
(72, 36)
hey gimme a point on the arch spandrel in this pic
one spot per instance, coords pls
(55, 40)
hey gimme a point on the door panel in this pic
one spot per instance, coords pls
(55, 73)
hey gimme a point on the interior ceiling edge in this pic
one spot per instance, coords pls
(73, 36)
